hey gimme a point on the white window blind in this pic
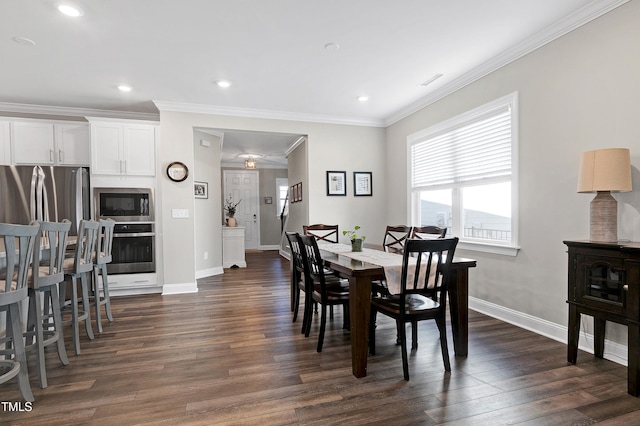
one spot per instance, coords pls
(475, 150)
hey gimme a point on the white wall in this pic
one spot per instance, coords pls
(329, 147)
(578, 93)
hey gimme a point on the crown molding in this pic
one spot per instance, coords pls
(267, 114)
(75, 112)
(588, 13)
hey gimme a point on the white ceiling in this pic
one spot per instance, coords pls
(273, 51)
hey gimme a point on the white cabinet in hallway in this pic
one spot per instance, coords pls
(233, 247)
(5, 142)
(123, 148)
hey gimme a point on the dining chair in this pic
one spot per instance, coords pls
(18, 242)
(76, 268)
(99, 293)
(428, 232)
(425, 263)
(393, 242)
(322, 233)
(297, 277)
(44, 325)
(326, 291)
(395, 238)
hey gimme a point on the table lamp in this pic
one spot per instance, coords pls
(605, 171)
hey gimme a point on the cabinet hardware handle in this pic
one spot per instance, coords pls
(51, 155)
(625, 287)
(59, 156)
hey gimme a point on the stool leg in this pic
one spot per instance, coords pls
(35, 322)
(74, 315)
(105, 290)
(57, 323)
(96, 297)
(13, 317)
(86, 306)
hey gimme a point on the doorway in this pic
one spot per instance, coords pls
(243, 185)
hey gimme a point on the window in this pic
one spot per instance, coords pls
(282, 188)
(463, 177)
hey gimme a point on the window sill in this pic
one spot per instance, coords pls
(489, 248)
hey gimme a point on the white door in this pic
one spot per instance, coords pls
(243, 185)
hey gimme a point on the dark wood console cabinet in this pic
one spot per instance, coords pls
(604, 282)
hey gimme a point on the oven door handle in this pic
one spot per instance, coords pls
(135, 234)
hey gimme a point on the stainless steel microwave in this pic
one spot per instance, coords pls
(124, 204)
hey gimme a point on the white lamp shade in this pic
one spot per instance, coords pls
(605, 170)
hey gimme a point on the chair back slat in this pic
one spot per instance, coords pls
(105, 241)
(19, 242)
(85, 246)
(296, 254)
(314, 265)
(53, 237)
(437, 256)
(322, 233)
(395, 237)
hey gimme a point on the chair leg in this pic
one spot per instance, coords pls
(57, 323)
(346, 320)
(105, 293)
(75, 326)
(96, 297)
(414, 335)
(86, 306)
(443, 343)
(323, 323)
(308, 313)
(403, 344)
(372, 331)
(15, 326)
(36, 335)
(296, 303)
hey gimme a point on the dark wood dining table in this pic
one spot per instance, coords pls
(360, 274)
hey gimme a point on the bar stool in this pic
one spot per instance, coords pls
(102, 257)
(46, 328)
(19, 241)
(78, 267)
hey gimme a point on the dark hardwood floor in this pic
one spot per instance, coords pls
(231, 355)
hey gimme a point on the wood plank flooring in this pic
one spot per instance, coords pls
(231, 355)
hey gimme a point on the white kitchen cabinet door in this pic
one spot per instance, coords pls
(72, 144)
(33, 143)
(5, 143)
(107, 148)
(139, 150)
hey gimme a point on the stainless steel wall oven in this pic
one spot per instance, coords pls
(134, 233)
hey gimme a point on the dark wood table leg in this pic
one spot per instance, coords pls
(574, 334)
(459, 310)
(360, 309)
(599, 327)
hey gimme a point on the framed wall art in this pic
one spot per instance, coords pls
(362, 184)
(201, 189)
(336, 183)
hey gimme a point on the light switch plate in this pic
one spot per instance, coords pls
(180, 213)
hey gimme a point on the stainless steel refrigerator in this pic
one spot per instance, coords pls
(49, 193)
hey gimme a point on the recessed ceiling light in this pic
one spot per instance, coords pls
(332, 47)
(223, 83)
(363, 98)
(124, 88)
(70, 10)
(24, 41)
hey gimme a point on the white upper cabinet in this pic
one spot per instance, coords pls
(5, 142)
(123, 148)
(42, 142)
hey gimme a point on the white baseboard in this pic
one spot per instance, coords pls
(269, 247)
(613, 351)
(203, 273)
(179, 288)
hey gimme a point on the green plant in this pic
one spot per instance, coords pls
(353, 235)
(230, 206)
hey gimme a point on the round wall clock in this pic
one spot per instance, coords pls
(177, 171)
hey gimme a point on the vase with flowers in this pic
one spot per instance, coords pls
(230, 209)
(356, 241)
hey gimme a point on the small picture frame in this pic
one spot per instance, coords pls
(201, 189)
(336, 183)
(299, 190)
(362, 184)
(293, 195)
(268, 200)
